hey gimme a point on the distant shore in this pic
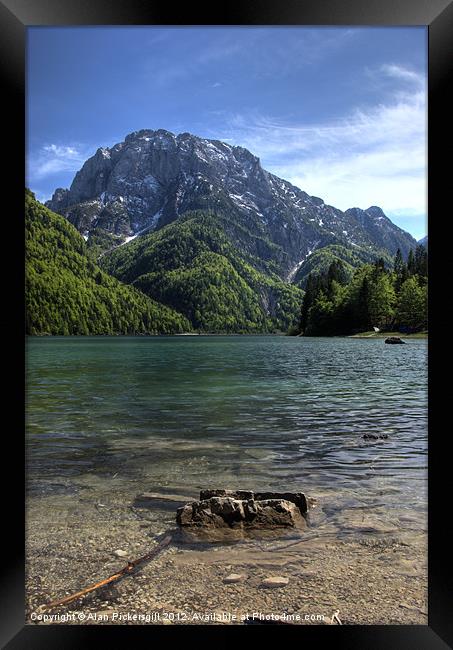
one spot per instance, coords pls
(384, 335)
(360, 335)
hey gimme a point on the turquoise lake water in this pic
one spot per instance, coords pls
(178, 414)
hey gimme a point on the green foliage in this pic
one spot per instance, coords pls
(373, 297)
(210, 292)
(190, 275)
(319, 261)
(192, 265)
(381, 299)
(67, 292)
(412, 304)
(101, 241)
(421, 262)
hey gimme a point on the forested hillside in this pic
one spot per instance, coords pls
(336, 302)
(193, 266)
(67, 292)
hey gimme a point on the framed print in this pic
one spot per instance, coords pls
(225, 378)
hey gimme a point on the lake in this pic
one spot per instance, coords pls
(115, 416)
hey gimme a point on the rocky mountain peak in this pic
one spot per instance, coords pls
(155, 176)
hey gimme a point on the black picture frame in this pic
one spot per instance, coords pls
(15, 17)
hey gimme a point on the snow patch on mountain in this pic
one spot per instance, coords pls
(296, 267)
(160, 174)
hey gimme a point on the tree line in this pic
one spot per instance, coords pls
(391, 299)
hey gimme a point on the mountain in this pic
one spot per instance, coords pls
(194, 266)
(424, 242)
(200, 226)
(67, 292)
(153, 178)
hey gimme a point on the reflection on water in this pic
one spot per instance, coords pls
(119, 416)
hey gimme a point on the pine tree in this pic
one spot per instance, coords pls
(337, 273)
(309, 296)
(399, 269)
(421, 261)
(398, 262)
(380, 265)
(362, 313)
(411, 263)
(320, 318)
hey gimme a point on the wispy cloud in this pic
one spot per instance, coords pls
(247, 47)
(400, 72)
(196, 55)
(53, 159)
(374, 155)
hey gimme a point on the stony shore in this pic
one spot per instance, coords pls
(383, 335)
(371, 576)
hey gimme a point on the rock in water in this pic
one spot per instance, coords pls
(393, 340)
(235, 494)
(238, 509)
(298, 498)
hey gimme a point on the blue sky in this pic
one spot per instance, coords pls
(339, 112)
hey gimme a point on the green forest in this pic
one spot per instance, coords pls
(375, 296)
(67, 293)
(193, 266)
(189, 276)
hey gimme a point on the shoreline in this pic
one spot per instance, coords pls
(384, 335)
(360, 335)
(372, 576)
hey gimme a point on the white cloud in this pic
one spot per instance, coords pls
(400, 72)
(53, 159)
(373, 156)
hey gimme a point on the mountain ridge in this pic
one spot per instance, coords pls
(152, 178)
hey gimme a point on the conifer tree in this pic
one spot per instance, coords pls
(421, 261)
(411, 263)
(398, 262)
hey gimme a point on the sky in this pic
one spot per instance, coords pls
(338, 111)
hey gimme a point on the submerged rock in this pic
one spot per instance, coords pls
(238, 509)
(394, 339)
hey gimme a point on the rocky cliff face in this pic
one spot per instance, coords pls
(153, 177)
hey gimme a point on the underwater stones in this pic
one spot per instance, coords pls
(374, 436)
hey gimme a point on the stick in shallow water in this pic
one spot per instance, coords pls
(129, 568)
